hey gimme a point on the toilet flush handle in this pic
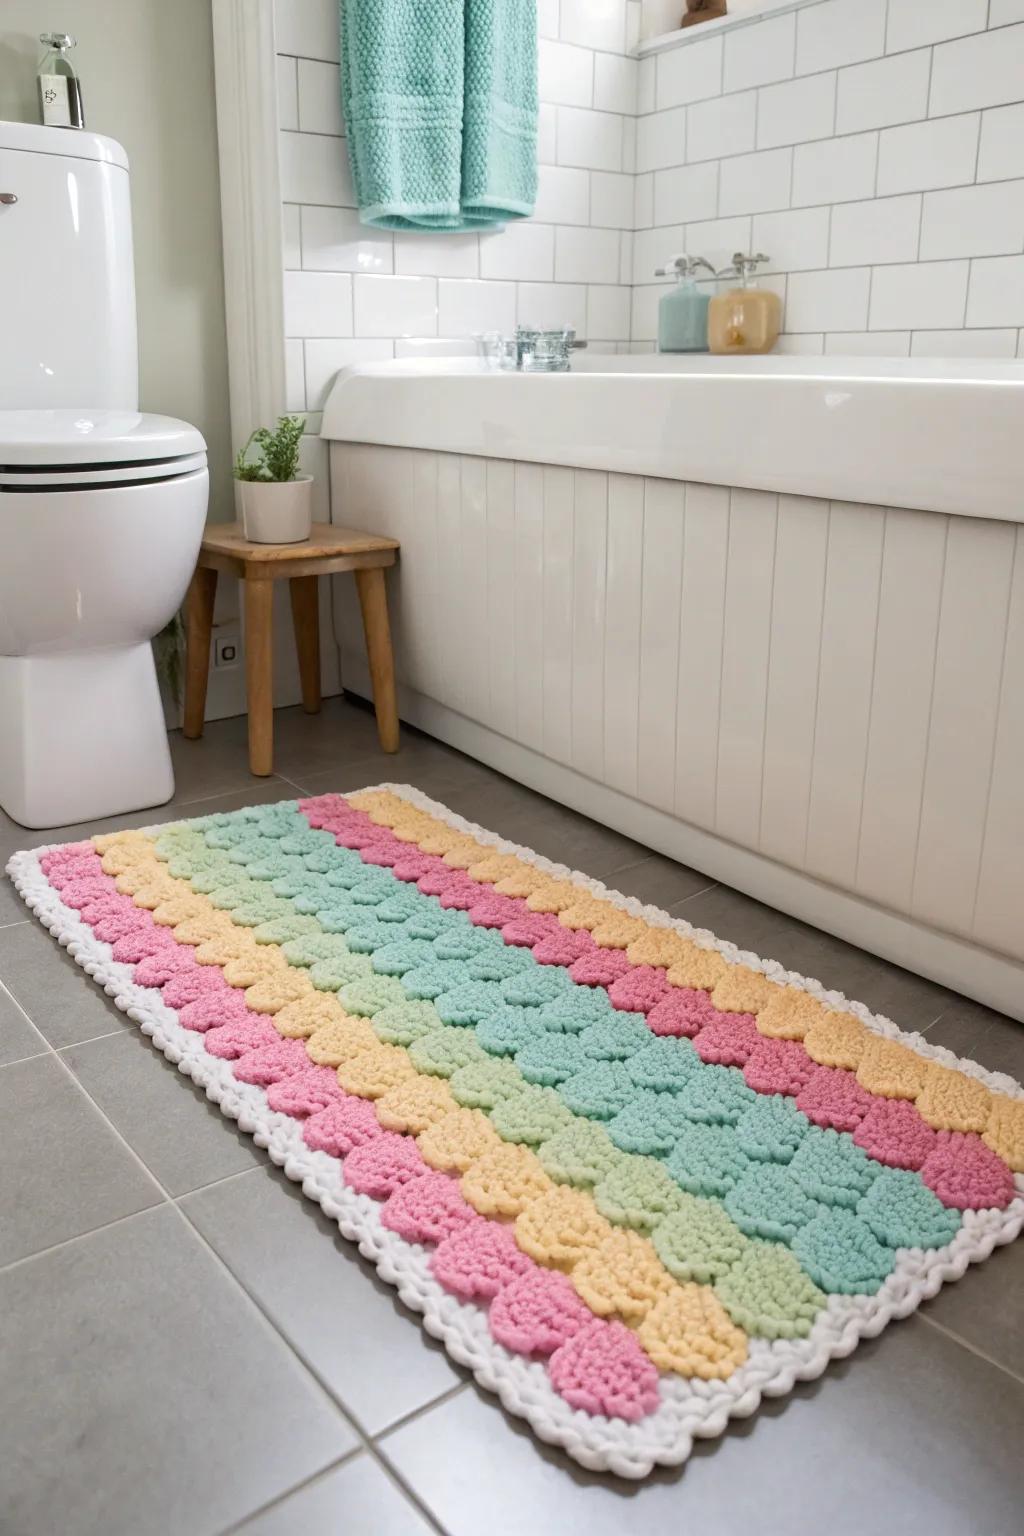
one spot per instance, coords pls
(8, 197)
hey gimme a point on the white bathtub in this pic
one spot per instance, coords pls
(766, 616)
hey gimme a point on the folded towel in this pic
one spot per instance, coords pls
(440, 102)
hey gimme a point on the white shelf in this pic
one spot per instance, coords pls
(683, 36)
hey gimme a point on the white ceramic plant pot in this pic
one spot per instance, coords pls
(276, 511)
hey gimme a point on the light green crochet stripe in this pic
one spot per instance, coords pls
(530, 1102)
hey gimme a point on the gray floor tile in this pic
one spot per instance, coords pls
(560, 834)
(12, 908)
(658, 881)
(63, 1002)
(356, 1499)
(911, 1435)
(323, 1296)
(428, 765)
(17, 1037)
(144, 1395)
(985, 1309)
(176, 1130)
(909, 1000)
(63, 1171)
(981, 1035)
(342, 733)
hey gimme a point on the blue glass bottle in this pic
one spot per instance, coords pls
(683, 311)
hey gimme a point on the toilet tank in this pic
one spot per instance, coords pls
(67, 282)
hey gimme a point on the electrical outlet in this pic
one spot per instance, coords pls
(225, 652)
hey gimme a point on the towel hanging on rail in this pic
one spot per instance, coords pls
(440, 104)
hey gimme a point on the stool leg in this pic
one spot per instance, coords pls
(259, 672)
(306, 623)
(373, 601)
(198, 628)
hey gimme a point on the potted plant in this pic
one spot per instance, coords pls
(276, 502)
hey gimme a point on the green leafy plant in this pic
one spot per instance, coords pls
(168, 650)
(279, 451)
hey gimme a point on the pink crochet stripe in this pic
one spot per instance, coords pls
(892, 1132)
(595, 1365)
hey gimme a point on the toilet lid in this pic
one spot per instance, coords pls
(72, 449)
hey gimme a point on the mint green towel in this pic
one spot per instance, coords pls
(440, 102)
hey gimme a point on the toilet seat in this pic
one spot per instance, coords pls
(77, 449)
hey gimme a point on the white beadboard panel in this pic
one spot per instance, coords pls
(422, 551)
(965, 702)
(500, 630)
(835, 688)
(845, 674)
(913, 561)
(753, 517)
(999, 903)
(701, 629)
(451, 685)
(797, 597)
(528, 576)
(621, 640)
(664, 507)
(590, 523)
(473, 599)
(557, 612)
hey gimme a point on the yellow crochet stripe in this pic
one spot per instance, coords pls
(946, 1098)
(683, 1327)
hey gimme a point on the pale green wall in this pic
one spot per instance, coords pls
(146, 68)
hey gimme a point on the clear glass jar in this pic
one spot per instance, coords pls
(60, 94)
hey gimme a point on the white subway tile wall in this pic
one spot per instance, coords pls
(355, 294)
(873, 148)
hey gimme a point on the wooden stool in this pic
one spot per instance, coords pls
(258, 566)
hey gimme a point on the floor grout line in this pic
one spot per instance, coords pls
(424, 1408)
(80, 1237)
(972, 1349)
(281, 1498)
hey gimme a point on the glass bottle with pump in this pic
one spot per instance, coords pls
(60, 95)
(683, 311)
(744, 317)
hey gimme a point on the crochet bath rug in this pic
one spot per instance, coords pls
(634, 1179)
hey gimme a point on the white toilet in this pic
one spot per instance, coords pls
(101, 508)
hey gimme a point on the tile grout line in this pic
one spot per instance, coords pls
(972, 1349)
(281, 1498)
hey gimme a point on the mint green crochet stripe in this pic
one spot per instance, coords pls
(774, 1210)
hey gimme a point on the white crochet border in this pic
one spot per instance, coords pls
(689, 1409)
